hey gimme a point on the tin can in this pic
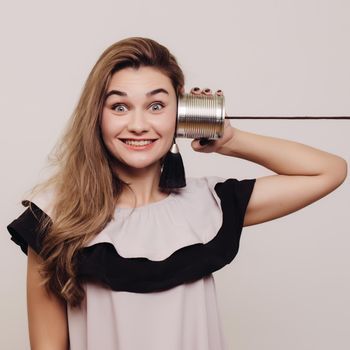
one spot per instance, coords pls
(200, 116)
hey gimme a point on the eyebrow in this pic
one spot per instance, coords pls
(122, 93)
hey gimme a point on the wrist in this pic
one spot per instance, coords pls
(228, 147)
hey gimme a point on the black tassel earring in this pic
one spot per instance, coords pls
(173, 172)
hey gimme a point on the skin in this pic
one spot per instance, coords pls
(47, 315)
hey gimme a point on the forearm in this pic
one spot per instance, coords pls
(283, 157)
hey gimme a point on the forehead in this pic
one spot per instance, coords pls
(138, 80)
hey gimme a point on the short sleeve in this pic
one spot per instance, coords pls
(25, 229)
(233, 195)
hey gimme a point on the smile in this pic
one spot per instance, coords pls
(138, 144)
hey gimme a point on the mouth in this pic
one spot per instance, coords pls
(138, 141)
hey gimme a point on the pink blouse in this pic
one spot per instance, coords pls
(171, 304)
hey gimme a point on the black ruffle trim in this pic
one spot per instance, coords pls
(101, 262)
(25, 229)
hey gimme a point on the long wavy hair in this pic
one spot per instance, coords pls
(85, 187)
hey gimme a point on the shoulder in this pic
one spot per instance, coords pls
(204, 183)
(42, 201)
(226, 191)
(203, 186)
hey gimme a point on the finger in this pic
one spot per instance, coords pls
(201, 144)
(203, 141)
(195, 91)
(219, 92)
(207, 92)
(196, 144)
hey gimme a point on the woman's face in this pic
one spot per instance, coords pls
(139, 116)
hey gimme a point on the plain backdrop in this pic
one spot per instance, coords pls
(288, 287)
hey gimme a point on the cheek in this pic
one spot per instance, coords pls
(104, 130)
(172, 126)
(109, 126)
(167, 124)
(107, 132)
(167, 130)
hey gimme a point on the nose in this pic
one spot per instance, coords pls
(138, 123)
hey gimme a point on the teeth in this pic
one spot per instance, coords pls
(138, 143)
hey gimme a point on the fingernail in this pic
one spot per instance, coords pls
(207, 90)
(196, 89)
(219, 90)
(203, 141)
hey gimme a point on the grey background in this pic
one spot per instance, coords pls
(288, 288)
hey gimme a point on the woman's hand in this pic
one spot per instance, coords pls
(212, 145)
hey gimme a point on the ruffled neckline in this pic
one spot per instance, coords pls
(101, 262)
(147, 206)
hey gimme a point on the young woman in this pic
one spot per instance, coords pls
(116, 261)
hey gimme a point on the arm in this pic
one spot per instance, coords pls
(305, 174)
(47, 318)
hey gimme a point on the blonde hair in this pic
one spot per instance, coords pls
(85, 187)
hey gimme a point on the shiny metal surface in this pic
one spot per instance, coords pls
(200, 116)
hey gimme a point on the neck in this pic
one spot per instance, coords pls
(143, 184)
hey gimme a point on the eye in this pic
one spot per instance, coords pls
(157, 104)
(118, 107)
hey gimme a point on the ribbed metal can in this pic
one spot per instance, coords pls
(200, 116)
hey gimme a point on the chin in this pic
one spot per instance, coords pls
(137, 164)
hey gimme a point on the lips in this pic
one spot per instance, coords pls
(139, 145)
